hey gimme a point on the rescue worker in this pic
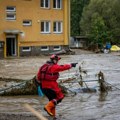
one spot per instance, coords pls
(47, 78)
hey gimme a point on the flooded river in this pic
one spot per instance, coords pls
(83, 106)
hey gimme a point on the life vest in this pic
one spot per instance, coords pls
(44, 73)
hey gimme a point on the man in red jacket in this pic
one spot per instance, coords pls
(47, 78)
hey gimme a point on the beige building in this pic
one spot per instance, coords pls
(33, 27)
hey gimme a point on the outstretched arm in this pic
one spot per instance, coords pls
(60, 68)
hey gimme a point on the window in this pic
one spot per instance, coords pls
(45, 3)
(57, 27)
(57, 4)
(27, 0)
(57, 47)
(44, 48)
(27, 22)
(26, 49)
(10, 16)
(45, 27)
(11, 9)
(10, 13)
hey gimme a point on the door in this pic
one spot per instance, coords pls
(11, 45)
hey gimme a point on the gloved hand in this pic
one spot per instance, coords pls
(74, 64)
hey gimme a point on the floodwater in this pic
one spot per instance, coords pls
(83, 106)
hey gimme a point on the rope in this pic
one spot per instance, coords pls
(113, 86)
(78, 81)
(3, 90)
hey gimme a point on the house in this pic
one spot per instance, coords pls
(33, 27)
(78, 42)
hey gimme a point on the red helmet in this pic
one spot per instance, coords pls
(55, 57)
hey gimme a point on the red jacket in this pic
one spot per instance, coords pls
(48, 76)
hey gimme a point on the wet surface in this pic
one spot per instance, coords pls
(83, 106)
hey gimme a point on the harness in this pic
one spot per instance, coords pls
(45, 74)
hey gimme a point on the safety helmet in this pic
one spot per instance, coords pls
(55, 57)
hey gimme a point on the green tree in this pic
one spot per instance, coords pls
(98, 30)
(76, 12)
(100, 20)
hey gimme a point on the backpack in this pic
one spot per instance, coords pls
(42, 72)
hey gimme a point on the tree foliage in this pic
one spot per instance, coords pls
(100, 20)
(76, 13)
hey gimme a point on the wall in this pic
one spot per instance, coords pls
(31, 10)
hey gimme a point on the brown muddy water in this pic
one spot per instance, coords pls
(83, 106)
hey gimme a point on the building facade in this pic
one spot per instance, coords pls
(33, 27)
(78, 42)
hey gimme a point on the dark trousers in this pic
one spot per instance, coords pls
(50, 94)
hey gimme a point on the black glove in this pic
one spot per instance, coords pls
(74, 64)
